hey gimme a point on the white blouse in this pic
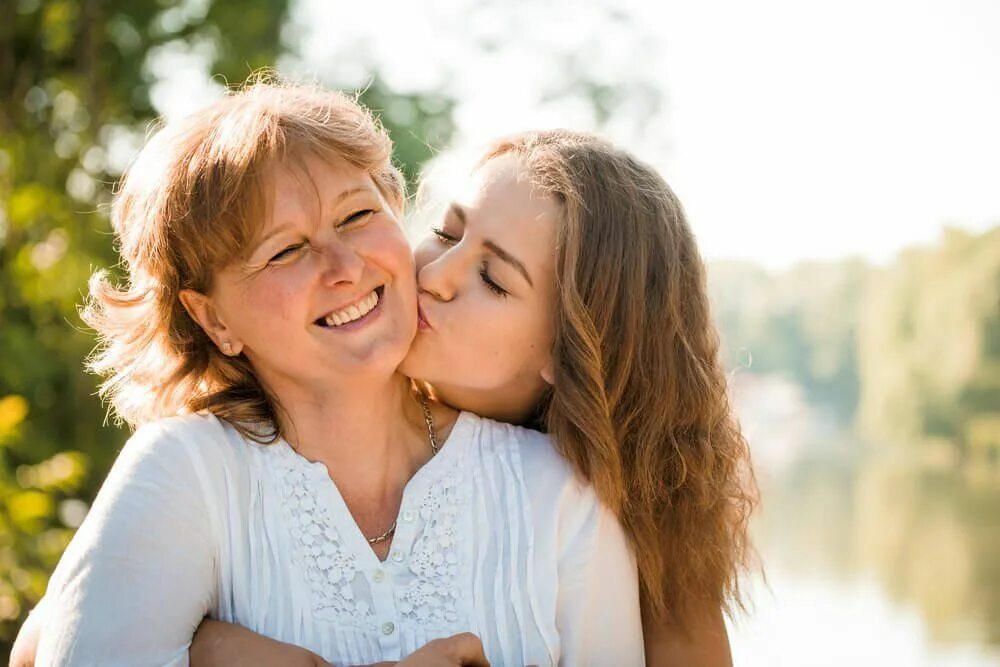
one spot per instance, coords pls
(496, 536)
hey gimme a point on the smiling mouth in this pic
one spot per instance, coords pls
(354, 312)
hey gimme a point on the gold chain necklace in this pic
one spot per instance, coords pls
(432, 437)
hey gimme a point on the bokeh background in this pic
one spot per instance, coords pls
(839, 164)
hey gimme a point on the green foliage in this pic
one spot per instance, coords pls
(801, 324)
(76, 90)
(78, 80)
(912, 351)
(420, 124)
(929, 352)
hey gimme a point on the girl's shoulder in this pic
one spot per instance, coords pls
(527, 454)
(495, 437)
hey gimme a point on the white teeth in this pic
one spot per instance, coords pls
(352, 313)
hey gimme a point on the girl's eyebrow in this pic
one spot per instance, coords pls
(510, 259)
(494, 248)
(459, 212)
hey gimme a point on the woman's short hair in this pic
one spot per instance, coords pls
(190, 204)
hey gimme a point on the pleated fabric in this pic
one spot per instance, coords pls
(484, 533)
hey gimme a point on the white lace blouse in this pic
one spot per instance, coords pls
(495, 536)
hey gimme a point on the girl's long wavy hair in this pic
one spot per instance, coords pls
(640, 403)
(192, 202)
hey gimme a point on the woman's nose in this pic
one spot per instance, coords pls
(341, 264)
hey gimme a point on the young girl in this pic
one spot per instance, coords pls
(613, 309)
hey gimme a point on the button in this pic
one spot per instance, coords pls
(388, 628)
(397, 556)
(408, 516)
(379, 576)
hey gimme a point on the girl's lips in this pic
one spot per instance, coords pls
(422, 323)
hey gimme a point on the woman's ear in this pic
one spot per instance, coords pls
(202, 310)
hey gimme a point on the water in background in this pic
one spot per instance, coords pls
(869, 560)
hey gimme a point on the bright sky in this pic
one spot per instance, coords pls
(790, 129)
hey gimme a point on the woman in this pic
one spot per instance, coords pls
(303, 490)
(626, 376)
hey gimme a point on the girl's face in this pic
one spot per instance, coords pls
(327, 293)
(486, 293)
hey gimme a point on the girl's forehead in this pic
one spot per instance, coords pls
(502, 172)
(503, 189)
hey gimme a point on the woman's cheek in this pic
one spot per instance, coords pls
(385, 237)
(281, 293)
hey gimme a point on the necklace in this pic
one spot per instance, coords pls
(435, 447)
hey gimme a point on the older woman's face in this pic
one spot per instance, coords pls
(486, 283)
(328, 290)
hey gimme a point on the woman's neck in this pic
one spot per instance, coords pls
(371, 434)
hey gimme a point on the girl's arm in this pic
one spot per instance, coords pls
(217, 643)
(705, 644)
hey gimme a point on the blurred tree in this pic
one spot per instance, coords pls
(78, 80)
(912, 348)
(75, 80)
(801, 324)
(929, 349)
(420, 124)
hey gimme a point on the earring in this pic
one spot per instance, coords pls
(227, 348)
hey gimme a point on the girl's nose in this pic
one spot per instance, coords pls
(439, 277)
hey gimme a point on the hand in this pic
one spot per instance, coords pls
(218, 643)
(464, 650)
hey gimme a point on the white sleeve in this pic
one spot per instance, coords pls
(139, 575)
(597, 609)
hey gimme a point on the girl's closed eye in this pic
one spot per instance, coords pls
(491, 284)
(443, 236)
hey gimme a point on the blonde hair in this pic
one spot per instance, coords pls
(639, 403)
(191, 203)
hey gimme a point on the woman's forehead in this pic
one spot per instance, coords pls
(311, 185)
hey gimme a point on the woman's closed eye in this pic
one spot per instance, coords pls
(357, 218)
(287, 252)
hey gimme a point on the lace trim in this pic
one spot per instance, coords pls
(425, 592)
(330, 568)
(431, 597)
